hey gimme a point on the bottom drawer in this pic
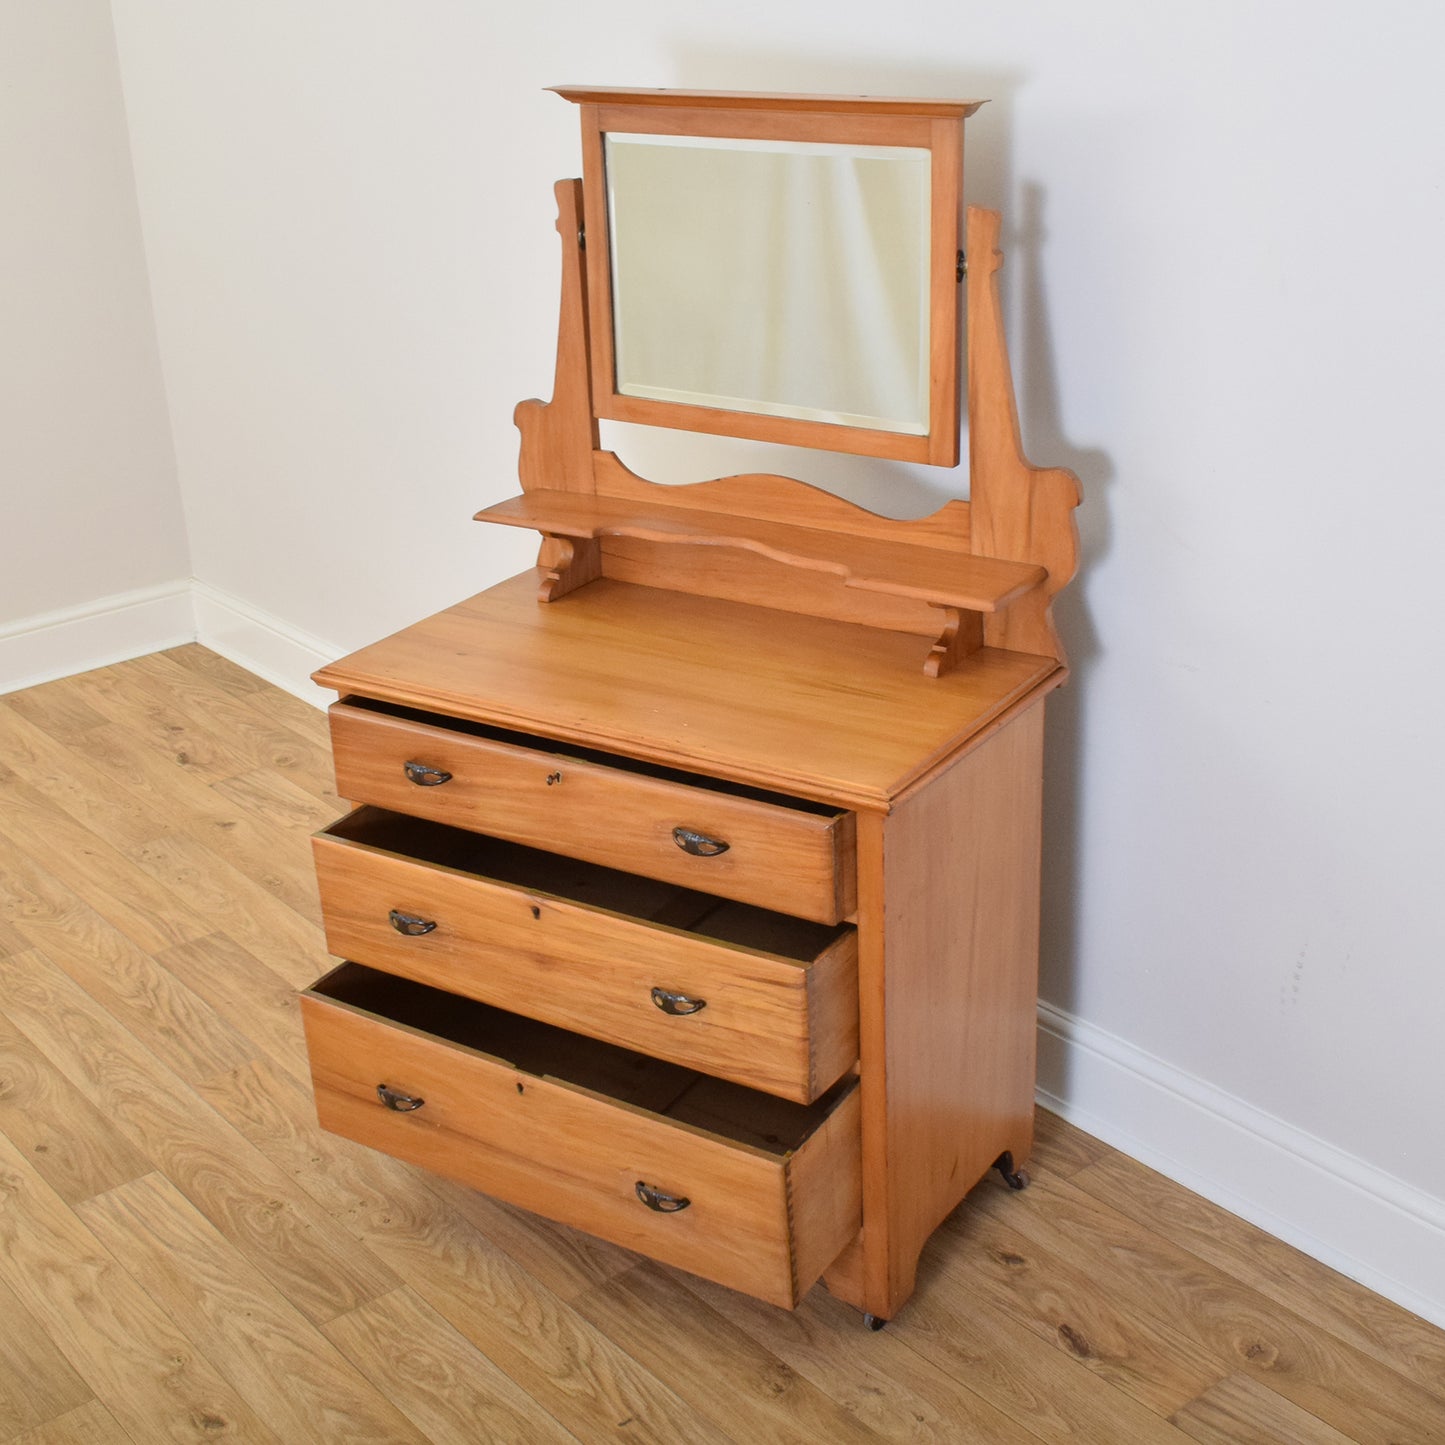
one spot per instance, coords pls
(740, 1187)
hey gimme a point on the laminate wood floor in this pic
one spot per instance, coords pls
(184, 1256)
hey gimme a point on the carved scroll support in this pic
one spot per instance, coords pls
(567, 563)
(559, 436)
(962, 633)
(1018, 511)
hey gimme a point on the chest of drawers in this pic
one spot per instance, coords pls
(766, 1017)
(691, 894)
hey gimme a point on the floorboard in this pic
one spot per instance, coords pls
(184, 1256)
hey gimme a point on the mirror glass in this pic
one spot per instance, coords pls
(784, 278)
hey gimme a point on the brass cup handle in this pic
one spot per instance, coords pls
(411, 924)
(400, 1103)
(677, 1004)
(657, 1200)
(426, 776)
(698, 844)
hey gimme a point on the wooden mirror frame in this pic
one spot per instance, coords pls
(932, 125)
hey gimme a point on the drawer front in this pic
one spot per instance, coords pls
(771, 1022)
(762, 1223)
(788, 859)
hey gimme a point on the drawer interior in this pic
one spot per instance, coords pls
(729, 1111)
(552, 746)
(559, 876)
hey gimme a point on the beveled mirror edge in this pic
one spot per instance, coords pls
(935, 125)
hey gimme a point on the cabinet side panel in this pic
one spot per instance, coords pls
(959, 986)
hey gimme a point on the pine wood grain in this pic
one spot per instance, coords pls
(859, 123)
(769, 1020)
(755, 1219)
(560, 436)
(745, 707)
(1017, 510)
(1094, 1306)
(900, 569)
(777, 856)
(741, 576)
(734, 100)
(946, 988)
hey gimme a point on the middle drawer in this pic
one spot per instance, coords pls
(760, 998)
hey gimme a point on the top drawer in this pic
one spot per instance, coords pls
(757, 847)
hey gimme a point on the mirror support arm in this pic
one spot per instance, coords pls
(560, 436)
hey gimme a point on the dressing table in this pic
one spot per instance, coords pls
(691, 893)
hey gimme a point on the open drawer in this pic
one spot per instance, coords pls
(737, 842)
(739, 1187)
(761, 998)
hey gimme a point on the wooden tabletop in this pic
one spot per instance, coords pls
(824, 709)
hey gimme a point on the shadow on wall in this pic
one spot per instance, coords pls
(1045, 442)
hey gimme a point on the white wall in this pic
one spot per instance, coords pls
(92, 513)
(1227, 223)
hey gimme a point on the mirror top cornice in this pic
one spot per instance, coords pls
(765, 100)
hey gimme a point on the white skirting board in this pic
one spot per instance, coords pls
(1333, 1206)
(110, 629)
(130, 624)
(262, 643)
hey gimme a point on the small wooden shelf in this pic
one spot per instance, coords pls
(905, 569)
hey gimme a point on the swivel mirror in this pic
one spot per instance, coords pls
(785, 271)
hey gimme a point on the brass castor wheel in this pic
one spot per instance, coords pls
(1014, 1178)
(874, 1322)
